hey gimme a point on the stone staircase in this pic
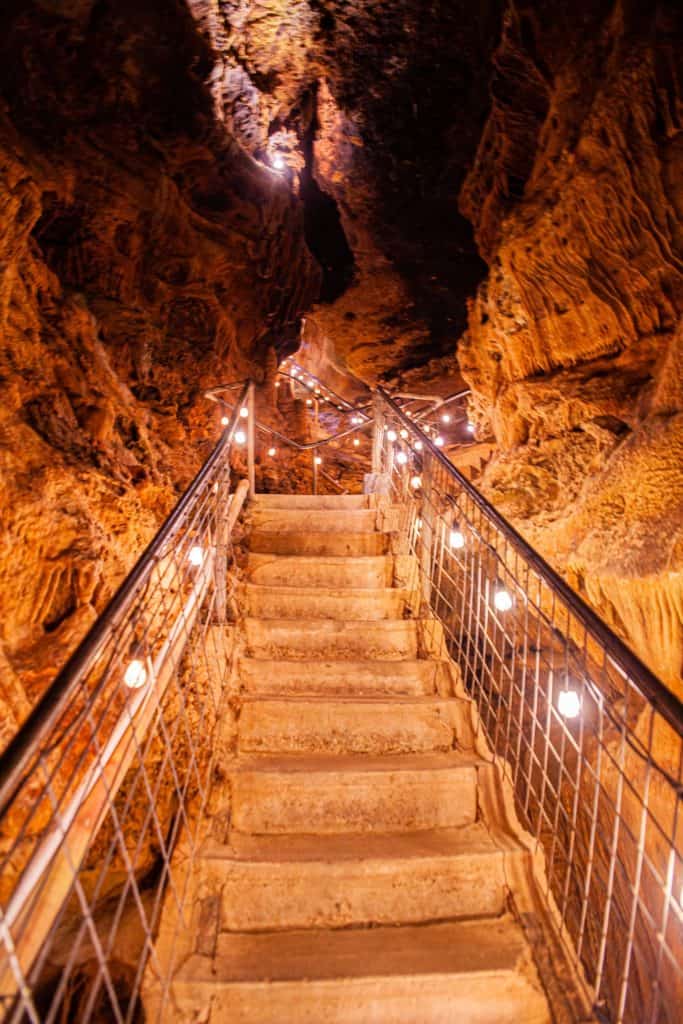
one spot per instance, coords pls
(354, 877)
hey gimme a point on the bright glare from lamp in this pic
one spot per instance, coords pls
(196, 555)
(568, 703)
(356, 442)
(418, 446)
(135, 675)
(277, 383)
(416, 482)
(244, 412)
(401, 458)
(277, 160)
(240, 436)
(309, 401)
(470, 428)
(272, 452)
(457, 540)
(392, 435)
(404, 433)
(502, 600)
(224, 421)
(318, 461)
(438, 441)
(446, 418)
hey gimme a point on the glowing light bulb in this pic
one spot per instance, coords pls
(446, 418)
(401, 458)
(392, 435)
(318, 461)
(470, 428)
(309, 401)
(568, 703)
(277, 160)
(310, 383)
(456, 539)
(224, 421)
(196, 555)
(418, 446)
(244, 412)
(356, 442)
(404, 433)
(240, 436)
(438, 441)
(135, 675)
(272, 452)
(277, 383)
(502, 600)
(416, 482)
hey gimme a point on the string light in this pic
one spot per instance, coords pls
(392, 435)
(318, 461)
(277, 160)
(568, 703)
(356, 442)
(438, 441)
(416, 482)
(309, 401)
(418, 446)
(502, 599)
(446, 418)
(224, 421)
(196, 556)
(240, 436)
(456, 539)
(401, 458)
(244, 412)
(277, 383)
(404, 433)
(469, 428)
(272, 452)
(135, 675)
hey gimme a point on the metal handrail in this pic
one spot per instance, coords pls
(666, 702)
(14, 759)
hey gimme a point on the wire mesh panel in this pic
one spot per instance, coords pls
(110, 771)
(589, 740)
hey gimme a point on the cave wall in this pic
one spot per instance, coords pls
(143, 257)
(573, 348)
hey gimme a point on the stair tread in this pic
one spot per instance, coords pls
(338, 763)
(470, 840)
(488, 947)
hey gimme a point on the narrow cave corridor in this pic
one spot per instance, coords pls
(341, 546)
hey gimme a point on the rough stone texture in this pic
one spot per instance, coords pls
(573, 351)
(143, 256)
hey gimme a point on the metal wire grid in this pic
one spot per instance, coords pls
(89, 837)
(596, 770)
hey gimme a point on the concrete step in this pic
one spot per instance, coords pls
(263, 677)
(471, 972)
(317, 520)
(278, 882)
(321, 544)
(324, 795)
(389, 639)
(313, 501)
(309, 726)
(306, 571)
(282, 602)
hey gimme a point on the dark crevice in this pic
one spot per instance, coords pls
(322, 223)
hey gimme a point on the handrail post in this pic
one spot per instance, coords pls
(315, 470)
(222, 500)
(251, 469)
(377, 433)
(427, 535)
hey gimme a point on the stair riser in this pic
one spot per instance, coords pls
(320, 545)
(297, 727)
(330, 802)
(315, 520)
(489, 998)
(350, 679)
(257, 897)
(370, 607)
(272, 570)
(312, 501)
(388, 640)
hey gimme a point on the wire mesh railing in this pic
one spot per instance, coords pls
(589, 740)
(111, 773)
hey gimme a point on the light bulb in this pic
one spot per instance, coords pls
(277, 383)
(135, 675)
(446, 418)
(318, 461)
(309, 383)
(356, 442)
(416, 482)
(470, 428)
(401, 458)
(438, 441)
(244, 412)
(224, 421)
(272, 452)
(309, 401)
(392, 435)
(277, 161)
(457, 540)
(568, 703)
(418, 446)
(240, 436)
(196, 555)
(502, 600)
(404, 433)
